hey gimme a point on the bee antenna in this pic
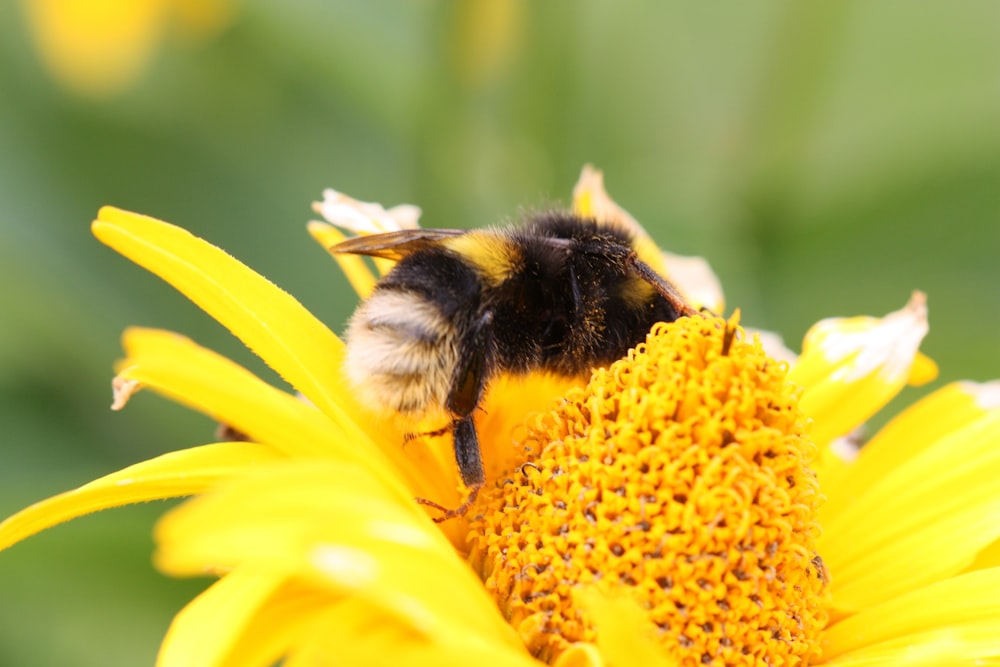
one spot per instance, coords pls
(666, 290)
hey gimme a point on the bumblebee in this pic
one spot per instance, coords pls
(558, 293)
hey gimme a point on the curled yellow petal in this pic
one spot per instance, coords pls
(852, 367)
(268, 320)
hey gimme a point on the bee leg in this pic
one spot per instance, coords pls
(455, 512)
(467, 453)
(436, 433)
(470, 465)
(467, 390)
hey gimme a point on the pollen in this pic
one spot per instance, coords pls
(679, 476)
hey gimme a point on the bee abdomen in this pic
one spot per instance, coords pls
(401, 352)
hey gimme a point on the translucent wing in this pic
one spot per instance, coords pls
(396, 245)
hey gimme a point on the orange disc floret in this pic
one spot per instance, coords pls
(680, 474)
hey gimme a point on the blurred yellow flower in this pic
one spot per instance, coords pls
(669, 512)
(100, 47)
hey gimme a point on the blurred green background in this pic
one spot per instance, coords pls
(827, 158)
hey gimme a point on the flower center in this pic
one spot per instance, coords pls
(680, 476)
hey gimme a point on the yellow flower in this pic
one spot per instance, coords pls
(671, 511)
(99, 47)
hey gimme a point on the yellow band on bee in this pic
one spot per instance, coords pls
(492, 255)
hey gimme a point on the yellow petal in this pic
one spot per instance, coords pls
(850, 368)
(280, 623)
(353, 266)
(591, 200)
(774, 345)
(625, 635)
(975, 642)
(987, 558)
(934, 513)
(97, 47)
(210, 626)
(180, 473)
(333, 526)
(271, 518)
(507, 404)
(580, 654)
(293, 518)
(909, 433)
(938, 606)
(924, 370)
(359, 635)
(268, 320)
(199, 378)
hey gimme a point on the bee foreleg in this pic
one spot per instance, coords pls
(470, 464)
(467, 454)
(466, 392)
(467, 387)
(455, 512)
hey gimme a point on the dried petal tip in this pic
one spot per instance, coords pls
(123, 389)
(851, 367)
(865, 345)
(679, 476)
(364, 217)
